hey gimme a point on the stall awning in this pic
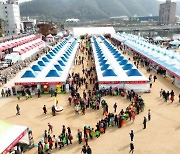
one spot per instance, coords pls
(10, 135)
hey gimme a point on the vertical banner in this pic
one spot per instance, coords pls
(59, 88)
(67, 88)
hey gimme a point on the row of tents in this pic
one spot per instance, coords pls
(114, 70)
(160, 39)
(54, 66)
(166, 59)
(17, 42)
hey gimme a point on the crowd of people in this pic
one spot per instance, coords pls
(92, 98)
(49, 141)
(167, 95)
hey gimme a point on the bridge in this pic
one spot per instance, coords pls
(148, 28)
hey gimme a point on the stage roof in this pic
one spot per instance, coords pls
(77, 31)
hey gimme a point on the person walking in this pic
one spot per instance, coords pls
(86, 138)
(17, 109)
(40, 148)
(88, 150)
(79, 135)
(161, 91)
(39, 93)
(51, 92)
(2, 93)
(83, 151)
(55, 93)
(70, 100)
(155, 77)
(18, 96)
(131, 148)
(150, 83)
(115, 107)
(131, 135)
(76, 109)
(50, 128)
(55, 140)
(144, 122)
(172, 96)
(44, 109)
(70, 138)
(53, 110)
(149, 115)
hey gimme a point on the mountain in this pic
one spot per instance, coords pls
(89, 9)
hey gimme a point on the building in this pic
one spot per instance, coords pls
(2, 27)
(121, 18)
(167, 13)
(178, 20)
(72, 20)
(9, 12)
(27, 24)
(145, 18)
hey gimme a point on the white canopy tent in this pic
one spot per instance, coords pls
(166, 59)
(54, 67)
(16, 42)
(11, 134)
(113, 68)
(77, 31)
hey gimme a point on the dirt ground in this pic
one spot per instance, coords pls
(161, 136)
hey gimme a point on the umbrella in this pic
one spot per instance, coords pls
(158, 38)
(175, 42)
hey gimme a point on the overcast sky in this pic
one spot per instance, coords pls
(29, 0)
(158, 0)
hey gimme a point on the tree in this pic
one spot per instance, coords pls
(0, 32)
(46, 29)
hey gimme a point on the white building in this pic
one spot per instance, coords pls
(72, 20)
(9, 11)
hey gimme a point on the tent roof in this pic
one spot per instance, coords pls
(61, 62)
(77, 31)
(53, 73)
(10, 135)
(108, 68)
(49, 36)
(58, 67)
(109, 72)
(29, 74)
(175, 42)
(160, 56)
(123, 62)
(127, 67)
(36, 68)
(158, 38)
(41, 63)
(104, 67)
(133, 72)
(45, 59)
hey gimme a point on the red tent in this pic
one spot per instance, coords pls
(2, 48)
(22, 51)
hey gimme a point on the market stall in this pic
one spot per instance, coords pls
(114, 70)
(52, 70)
(168, 60)
(10, 135)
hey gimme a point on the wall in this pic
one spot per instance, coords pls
(11, 14)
